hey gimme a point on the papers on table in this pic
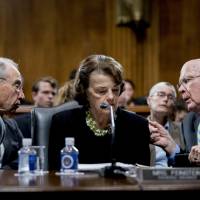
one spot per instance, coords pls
(100, 166)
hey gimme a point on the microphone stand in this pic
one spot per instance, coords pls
(112, 171)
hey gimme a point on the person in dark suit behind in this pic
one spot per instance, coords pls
(43, 93)
(99, 81)
(11, 95)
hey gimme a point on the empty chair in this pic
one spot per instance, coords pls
(41, 123)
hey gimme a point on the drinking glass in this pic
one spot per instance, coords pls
(40, 160)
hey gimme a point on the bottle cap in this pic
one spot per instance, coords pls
(69, 141)
(26, 141)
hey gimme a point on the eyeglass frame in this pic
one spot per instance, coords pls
(186, 80)
(163, 94)
(17, 85)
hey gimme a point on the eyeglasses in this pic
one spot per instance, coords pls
(185, 81)
(163, 95)
(17, 85)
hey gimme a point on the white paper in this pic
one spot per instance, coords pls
(99, 166)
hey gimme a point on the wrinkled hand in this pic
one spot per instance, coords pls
(161, 137)
(194, 155)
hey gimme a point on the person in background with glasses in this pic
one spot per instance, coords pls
(161, 101)
(189, 88)
(11, 95)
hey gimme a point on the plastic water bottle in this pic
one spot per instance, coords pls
(69, 157)
(27, 157)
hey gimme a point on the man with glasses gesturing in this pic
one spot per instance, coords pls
(11, 95)
(189, 88)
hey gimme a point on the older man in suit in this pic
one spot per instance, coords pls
(189, 88)
(11, 94)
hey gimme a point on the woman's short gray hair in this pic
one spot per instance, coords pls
(156, 87)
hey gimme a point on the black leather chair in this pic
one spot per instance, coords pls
(41, 122)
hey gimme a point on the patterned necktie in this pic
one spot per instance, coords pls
(198, 134)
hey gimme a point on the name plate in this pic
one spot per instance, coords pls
(168, 173)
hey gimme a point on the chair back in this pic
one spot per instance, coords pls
(41, 122)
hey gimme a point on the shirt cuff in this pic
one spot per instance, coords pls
(171, 157)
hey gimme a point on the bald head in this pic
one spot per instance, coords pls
(189, 84)
(191, 65)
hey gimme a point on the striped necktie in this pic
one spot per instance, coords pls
(198, 134)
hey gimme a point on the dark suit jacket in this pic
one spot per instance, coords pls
(131, 144)
(175, 132)
(12, 143)
(189, 129)
(24, 124)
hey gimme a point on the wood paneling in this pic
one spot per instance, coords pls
(179, 36)
(51, 37)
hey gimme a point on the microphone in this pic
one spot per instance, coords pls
(104, 105)
(108, 106)
(112, 171)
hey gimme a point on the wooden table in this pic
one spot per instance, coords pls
(54, 184)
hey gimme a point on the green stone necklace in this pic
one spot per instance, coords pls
(93, 126)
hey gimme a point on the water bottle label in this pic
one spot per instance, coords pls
(68, 161)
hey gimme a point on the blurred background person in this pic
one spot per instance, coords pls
(11, 95)
(43, 94)
(127, 96)
(99, 82)
(44, 91)
(65, 93)
(161, 101)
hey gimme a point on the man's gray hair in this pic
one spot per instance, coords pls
(156, 87)
(4, 62)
